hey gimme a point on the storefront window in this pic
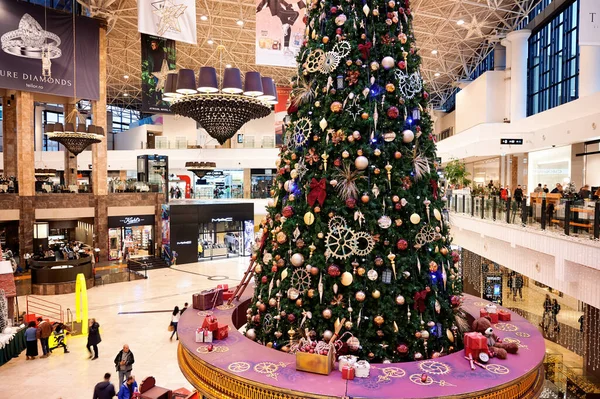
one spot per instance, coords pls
(130, 237)
(486, 171)
(262, 180)
(549, 167)
(220, 184)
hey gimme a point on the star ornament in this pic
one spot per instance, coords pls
(162, 75)
(169, 14)
(474, 29)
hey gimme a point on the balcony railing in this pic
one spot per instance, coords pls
(569, 216)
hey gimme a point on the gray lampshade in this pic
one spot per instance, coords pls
(81, 128)
(58, 127)
(207, 80)
(69, 127)
(253, 84)
(171, 86)
(232, 81)
(268, 89)
(186, 82)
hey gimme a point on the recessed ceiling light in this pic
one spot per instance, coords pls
(125, 94)
(228, 66)
(203, 18)
(460, 22)
(240, 22)
(437, 74)
(125, 76)
(434, 52)
(210, 41)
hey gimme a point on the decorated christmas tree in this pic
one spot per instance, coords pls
(355, 228)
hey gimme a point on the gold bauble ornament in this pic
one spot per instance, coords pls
(415, 218)
(444, 251)
(379, 320)
(437, 214)
(360, 296)
(311, 293)
(320, 235)
(258, 269)
(361, 271)
(346, 278)
(348, 325)
(336, 107)
(327, 314)
(376, 294)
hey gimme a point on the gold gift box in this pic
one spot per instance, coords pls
(313, 363)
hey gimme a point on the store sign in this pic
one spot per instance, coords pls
(130, 221)
(589, 23)
(511, 141)
(189, 242)
(218, 220)
(40, 53)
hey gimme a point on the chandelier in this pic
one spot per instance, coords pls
(44, 174)
(221, 112)
(75, 140)
(200, 169)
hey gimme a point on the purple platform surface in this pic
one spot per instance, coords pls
(446, 376)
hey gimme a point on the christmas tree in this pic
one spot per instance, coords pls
(355, 228)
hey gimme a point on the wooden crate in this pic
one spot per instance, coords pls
(313, 363)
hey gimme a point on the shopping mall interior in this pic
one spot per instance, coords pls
(300, 199)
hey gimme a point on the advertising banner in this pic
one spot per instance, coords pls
(279, 31)
(40, 53)
(171, 19)
(158, 58)
(589, 23)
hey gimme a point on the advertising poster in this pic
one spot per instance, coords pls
(158, 59)
(40, 54)
(171, 19)
(589, 23)
(279, 31)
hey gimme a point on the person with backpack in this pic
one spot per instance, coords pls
(128, 388)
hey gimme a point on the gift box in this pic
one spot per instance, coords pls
(210, 323)
(503, 315)
(483, 313)
(222, 332)
(313, 363)
(362, 368)
(475, 343)
(199, 335)
(208, 299)
(208, 336)
(224, 287)
(348, 372)
(227, 295)
(491, 308)
(344, 361)
(492, 316)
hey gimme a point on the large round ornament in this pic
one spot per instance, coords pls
(336, 107)
(361, 163)
(251, 334)
(387, 62)
(408, 136)
(400, 300)
(353, 343)
(415, 218)
(360, 296)
(376, 294)
(372, 275)
(297, 259)
(327, 335)
(347, 278)
(384, 222)
(333, 270)
(327, 314)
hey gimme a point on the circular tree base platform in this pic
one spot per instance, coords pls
(239, 368)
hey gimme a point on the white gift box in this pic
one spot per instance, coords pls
(208, 336)
(348, 360)
(199, 335)
(362, 369)
(490, 308)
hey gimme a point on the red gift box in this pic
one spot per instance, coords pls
(348, 373)
(475, 343)
(493, 316)
(224, 287)
(227, 295)
(222, 332)
(503, 315)
(483, 313)
(210, 323)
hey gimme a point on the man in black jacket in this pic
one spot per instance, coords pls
(124, 363)
(518, 195)
(104, 389)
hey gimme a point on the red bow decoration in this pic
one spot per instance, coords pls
(420, 300)
(434, 185)
(318, 191)
(365, 49)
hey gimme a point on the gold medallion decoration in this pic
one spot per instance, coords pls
(239, 367)
(497, 369)
(300, 280)
(416, 379)
(204, 313)
(481, 304)
(268, 368)
(226, 306)
(216, 349)
(506, 327)
(522, 334)
(314, 61)
(390, 372)
(425, 236)
(433, 367)
(343, 242)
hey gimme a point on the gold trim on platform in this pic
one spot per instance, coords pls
(215, 383)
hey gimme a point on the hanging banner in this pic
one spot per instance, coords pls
(279, 31)
(589, 23)
(171, 19)
(37, 53)
(158, 58)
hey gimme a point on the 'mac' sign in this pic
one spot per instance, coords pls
(511, 141)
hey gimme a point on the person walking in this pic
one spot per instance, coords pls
(185, 306)
(174, 321)
(31, 341)
(512, 284)
(124, 363)
(44, 332)
(60, 333)
(518, 286)
(555, 311)
(518, 195)
(128, 388)
(104, 389)
(93, 338)
(547, 312)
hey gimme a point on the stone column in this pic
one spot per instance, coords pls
(101, 226)
(518, 73)
(247, 183)
(9, 133)
(25, 140)
(514, 173)
(99, 165)
(589, 78)
(507, 70)
(70, 159)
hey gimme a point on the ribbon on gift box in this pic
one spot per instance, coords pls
(348, 360)
(491, 308)
(363, 368)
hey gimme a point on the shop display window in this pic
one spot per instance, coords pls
(136, 240)
(262, 182)
(220, 184)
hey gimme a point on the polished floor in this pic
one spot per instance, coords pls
(73, 375)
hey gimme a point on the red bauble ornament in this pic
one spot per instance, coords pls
(351, 203)
(333, 270)
(337, 163)
(274, 269)
(402, 244)
(333, 10)
(398, 206)
(288, 211)
(393, 112)
(402, 64)
(455, 257)
(264, 279)
(262, 308)
(425, 95)
(402, 349)
(338, 31)
(291, 318)
(401, 10)
(210, 347)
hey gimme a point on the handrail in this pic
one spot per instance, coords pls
(44, 308)
(69, 316)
